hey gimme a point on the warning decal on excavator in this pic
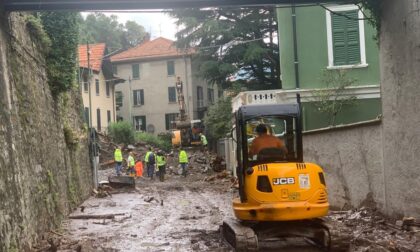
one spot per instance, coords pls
(283, 181)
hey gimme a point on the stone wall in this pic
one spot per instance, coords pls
(44, 159)
(351, 158)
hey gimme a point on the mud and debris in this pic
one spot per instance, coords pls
(185, 214)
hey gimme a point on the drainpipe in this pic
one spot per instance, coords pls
(295, 49)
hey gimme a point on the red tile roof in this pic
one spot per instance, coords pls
(97, 52)
(157, 48)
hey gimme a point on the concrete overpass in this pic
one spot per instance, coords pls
(85, 5)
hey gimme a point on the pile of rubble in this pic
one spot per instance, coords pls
(365, 229)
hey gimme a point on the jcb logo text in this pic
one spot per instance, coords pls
(283, 181)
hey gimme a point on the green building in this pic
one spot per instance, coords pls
(318, 43)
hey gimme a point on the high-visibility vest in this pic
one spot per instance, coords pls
(146, 157)
(130, 161)
(203, 140)
(183, 158)
(160, 160)
(118, 155)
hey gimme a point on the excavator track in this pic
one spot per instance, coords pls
(239, 236)
(250, 236)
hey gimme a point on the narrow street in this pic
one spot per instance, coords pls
(184, 214)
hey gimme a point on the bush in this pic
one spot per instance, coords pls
(161, 141)
(121, 132)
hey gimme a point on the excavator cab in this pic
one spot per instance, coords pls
(279, 194)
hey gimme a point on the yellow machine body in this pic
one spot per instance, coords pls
(176, 138)
(283, 192)
(280, 195)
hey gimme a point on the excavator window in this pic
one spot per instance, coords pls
(271, 139)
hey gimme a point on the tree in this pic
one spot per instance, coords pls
(332, 99)
(99, 28)
(232, 41)
(134, 33)
(218, 119)
(62, 30)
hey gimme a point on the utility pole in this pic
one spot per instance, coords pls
(94, 153)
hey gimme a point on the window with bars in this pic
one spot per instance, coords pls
(172, 94)
(170, 65)
(345, 38)
(138, 97)
(139, 123)
(135, 68)
(170, 120)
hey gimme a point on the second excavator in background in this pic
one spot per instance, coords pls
(186, 132)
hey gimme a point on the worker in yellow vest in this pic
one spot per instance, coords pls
(131, 164)
(118, 158)
(146, 160)
(161, 165)
(204, 142)
(183, 161)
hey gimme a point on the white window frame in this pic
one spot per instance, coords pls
(340, 8)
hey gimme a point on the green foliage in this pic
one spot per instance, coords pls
(99, 28)
(161, 141)
(218, 120)
(121, 132)
(375, 8)
(333, 98)
(232, 41)
(37, 32)
(62, 28)
(70, 137)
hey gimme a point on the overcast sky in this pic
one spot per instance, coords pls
(158, 24)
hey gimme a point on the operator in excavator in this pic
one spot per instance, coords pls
(265, 141)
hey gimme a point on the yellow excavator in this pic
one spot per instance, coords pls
(186, 132)
(280, 195)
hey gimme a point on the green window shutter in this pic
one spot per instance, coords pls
(135, 71)
(345, 36)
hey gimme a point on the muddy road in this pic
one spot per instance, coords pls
(176, 215)
(184, 214)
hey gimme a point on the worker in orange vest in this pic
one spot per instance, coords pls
(139, 168)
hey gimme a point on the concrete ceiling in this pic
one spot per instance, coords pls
(92, 5)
